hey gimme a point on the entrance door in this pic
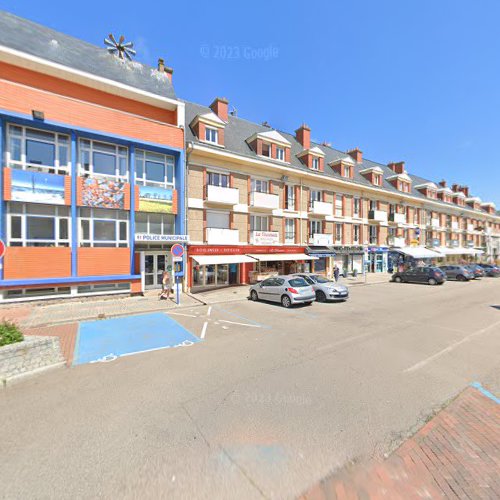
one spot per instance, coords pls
(154, 265)
(233, 274)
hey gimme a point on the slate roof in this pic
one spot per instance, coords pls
(37, 40)
(237, 130)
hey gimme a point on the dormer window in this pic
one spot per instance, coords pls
(347, 171)
(280, 154)
(211, 135)
(266, 149)
(315, 164)
(377, 180)
(405, 187)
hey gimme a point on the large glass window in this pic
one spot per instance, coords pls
(32, 149)
(154, 169)
(217, 179)
(101, 227)
(154, 223)
(102, 159)
(259, 186)
(259, 223)
(34, 225)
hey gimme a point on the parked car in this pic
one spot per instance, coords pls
(459, 273)
(325, 288)
(427, 274)
(288, 290)
(490, 270)
(476, 270)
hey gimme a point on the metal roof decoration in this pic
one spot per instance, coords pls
(119, 48)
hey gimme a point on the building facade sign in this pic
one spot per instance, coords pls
(265, 237)
(162, 238)
(346, 249)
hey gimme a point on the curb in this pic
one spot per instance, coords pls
(7, 382)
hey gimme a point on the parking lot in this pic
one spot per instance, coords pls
(268, 402)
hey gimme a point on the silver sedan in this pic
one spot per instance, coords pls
(287, 290)
(324, 288)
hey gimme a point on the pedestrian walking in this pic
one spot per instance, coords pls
(336, 272)
(165, 285)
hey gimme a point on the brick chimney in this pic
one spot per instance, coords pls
(356, 154)
(397, 167)
(303, 135)
(220, 107)
(162, 68)
(442, 183)
(465, 190)
(455, 188)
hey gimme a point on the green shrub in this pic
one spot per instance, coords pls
(9, 333)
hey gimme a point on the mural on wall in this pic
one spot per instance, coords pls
(37, 187)
(155, 199)
(103, 193)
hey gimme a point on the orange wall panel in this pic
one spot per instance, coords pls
(58, 108)
(103, 261)
(67, 190)
(175, 202)
(7, 184)
(37, 262)
(126, 196)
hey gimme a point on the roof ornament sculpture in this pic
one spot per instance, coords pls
(119, 48)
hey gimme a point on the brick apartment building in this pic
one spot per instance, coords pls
(262, 201)
(92, 151)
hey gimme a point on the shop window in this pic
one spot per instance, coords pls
(154, 169)
(39, 150)
(289, 231)
(103, 159)
(217, 179)
(101, 227)
(259, 223)
(34, 225)
(154, 223)
(259, 186)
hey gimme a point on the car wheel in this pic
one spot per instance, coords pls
(461, 277)
(320, 296)
(432, 281)
(398, 279)
(254, 296)
(285, 301)
(308, 303)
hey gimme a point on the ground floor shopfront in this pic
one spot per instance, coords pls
(348, 259)
(376, 259)
(219, 266)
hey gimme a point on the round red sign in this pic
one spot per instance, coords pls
(2, 248)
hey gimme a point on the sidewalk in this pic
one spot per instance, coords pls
(455, 455)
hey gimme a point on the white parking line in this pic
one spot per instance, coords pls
(204, 330)
(209, 311)
(450, 348)
(181, 314)
(241, 324)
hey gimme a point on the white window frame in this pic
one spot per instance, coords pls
(315, 224)
(93, 147)
(60, 141)
(259, 223)
(377, 178)
(356, 212)
(339, 233)
(97, 214)
(315, 163)
(148, 215)
(280, 153)
(315, 195)
(167, 161)
(288, 240)
(215, 179)
(347, 171)
(24, 241)
(259, 186)
(212, 135)
(372, 229)
(356, 233)
(339, 205)
(290, 199)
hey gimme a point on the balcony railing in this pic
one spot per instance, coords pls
(470, 227)
(222, 195)
(398, 218)
(217, 236)
(454, 226)
(434, 223)
(396, 241)
(377, 215)
(321, 208)
(264, 200)
(321, 239)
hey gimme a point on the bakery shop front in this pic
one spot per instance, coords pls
(221, 266)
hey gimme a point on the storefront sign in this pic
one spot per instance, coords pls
(345, 249)
(37, 187)
(242, 249)
(103, 193)
(155, 199)
(377, 249)
(265, 237)
(163, 238)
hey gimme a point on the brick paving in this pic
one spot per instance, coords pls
(455, 455)
(67, 337)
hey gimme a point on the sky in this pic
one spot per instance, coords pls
(404, 80)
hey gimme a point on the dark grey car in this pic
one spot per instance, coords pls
(459, 273)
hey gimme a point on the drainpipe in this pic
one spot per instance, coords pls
(189, 150)
(300, 218)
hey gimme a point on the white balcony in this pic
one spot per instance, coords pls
(377, 215)
(264, 238)
(470, 227)
(434, 222)
(454, 226)
(264, 201)
(217, 236)
(321, 240)
(321, 208)
(397, 218)
(223, 195)
(396, 241)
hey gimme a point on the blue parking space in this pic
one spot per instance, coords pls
(105, 340)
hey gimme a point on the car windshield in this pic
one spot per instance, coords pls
(320, 279)
(309, 279)
(297, 282)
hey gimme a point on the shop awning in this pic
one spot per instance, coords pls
(319, 251)
(418, 252)
(458, 251)
(269, 257)
(205, 260)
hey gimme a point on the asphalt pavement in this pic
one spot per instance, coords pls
(269, 402)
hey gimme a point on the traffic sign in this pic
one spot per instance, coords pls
(2, 249)
(177, 250)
